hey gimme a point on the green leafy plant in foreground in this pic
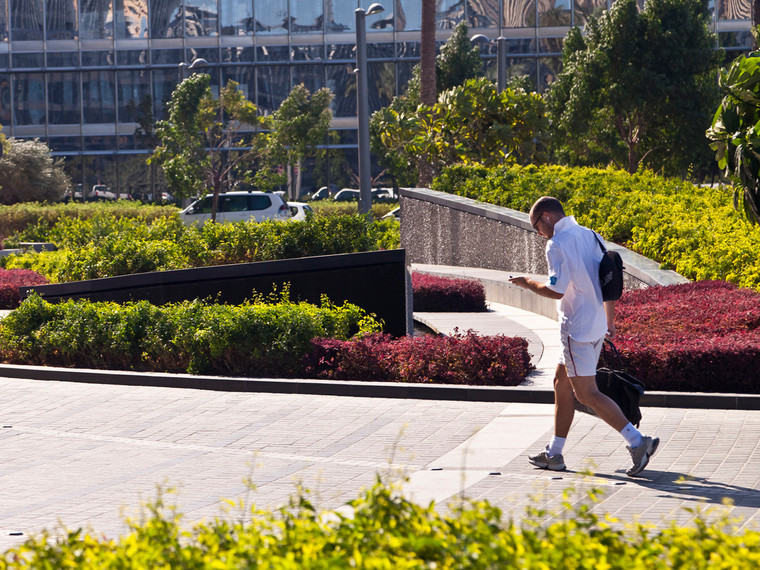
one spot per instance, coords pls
(382, 529)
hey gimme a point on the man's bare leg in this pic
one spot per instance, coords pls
(588, 393)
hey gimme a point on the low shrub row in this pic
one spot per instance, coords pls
(385, 530)
(433, 293)
(254, 339)
(692, 230)
(702, 337)
(106, 246)
(30, 221)
(455, 359)
(11, 280)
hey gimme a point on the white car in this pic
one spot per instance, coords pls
(299, 211)
(237, 207)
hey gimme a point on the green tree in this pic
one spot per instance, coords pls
(735, 132)
(469, 123)
(638, 88)
(298, 126)
(458, 61)
(29, 174)
(203, 143)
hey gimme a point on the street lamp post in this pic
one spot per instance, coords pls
(185, 68)
(501, 58)
(362, 107)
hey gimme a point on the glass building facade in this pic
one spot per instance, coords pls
(83, 75)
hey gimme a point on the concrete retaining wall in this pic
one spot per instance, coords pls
(444, 229)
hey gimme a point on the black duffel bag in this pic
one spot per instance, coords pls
(625, 390)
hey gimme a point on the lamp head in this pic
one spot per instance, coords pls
(375, 9)
(479, 39)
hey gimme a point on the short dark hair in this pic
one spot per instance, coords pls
(547, 204)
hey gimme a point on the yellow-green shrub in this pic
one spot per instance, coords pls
(693, 230)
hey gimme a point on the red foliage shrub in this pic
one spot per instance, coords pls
(457, 359)
(697, 337)
(11, 280)
(432, 293)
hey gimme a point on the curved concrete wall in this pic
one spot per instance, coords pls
(443, 229)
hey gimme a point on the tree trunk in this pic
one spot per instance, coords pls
(428, 93)
(427, 53)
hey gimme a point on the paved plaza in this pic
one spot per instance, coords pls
(88, 454)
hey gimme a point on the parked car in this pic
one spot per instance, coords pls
(324, 192)
(101, 192)
(347, 195)
(236, 207)
(299, 211)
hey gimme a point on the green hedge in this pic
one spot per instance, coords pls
(254, 339)
(386, 531)
(30, 221)
(106, 245)
(692, 230)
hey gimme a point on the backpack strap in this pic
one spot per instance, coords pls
(596, 236)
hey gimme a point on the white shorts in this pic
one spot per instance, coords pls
(580, 358)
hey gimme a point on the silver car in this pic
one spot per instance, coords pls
(237, 207)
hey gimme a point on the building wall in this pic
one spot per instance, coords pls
(80, 74)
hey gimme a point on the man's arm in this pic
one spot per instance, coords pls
(609, 311)
(536, 287)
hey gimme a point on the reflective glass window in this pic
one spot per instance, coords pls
(449, 13)
(63, 59)
(29, 94)
(552, 13)
(211, 55)
(98, 97)
(130, 19)
(164, 82)
(483, 14)
(4, 27)
(408, 49)
(519, 13)
(407, 15)
(28, 60)
(272, 53)
(521, 45)
(135, 176)
(64, 144)
(165, 19)
(736, 40)
(380, 50)
(523, 67)
(305, 17)
(340, 17)
(133, 57)
(548, 70)
(96, 19)
(312, 76)
(97, 58)
(167, 56)
(272, 86)
(244, 77)
(61, 19)
(63, 98)
(5, 99)
(341, 52)
(403, 75)
(201, 18)
(343, 85)
(307, 53)
(236, 17)
(550, 45)
(584, 9)
(382, 84)
(270, 16)
(734, 10)
(135, 102)
(26, 20)
(237, 55)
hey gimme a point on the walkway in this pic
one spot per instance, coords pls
(88, 453)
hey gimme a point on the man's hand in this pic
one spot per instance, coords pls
(535, 286)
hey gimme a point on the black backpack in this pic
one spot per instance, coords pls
(610, 273)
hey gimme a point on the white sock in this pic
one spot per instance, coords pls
(556, 445)
(631, 435)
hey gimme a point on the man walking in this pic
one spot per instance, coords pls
(573, 256)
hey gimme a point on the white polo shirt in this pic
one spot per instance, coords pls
(573, 255)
